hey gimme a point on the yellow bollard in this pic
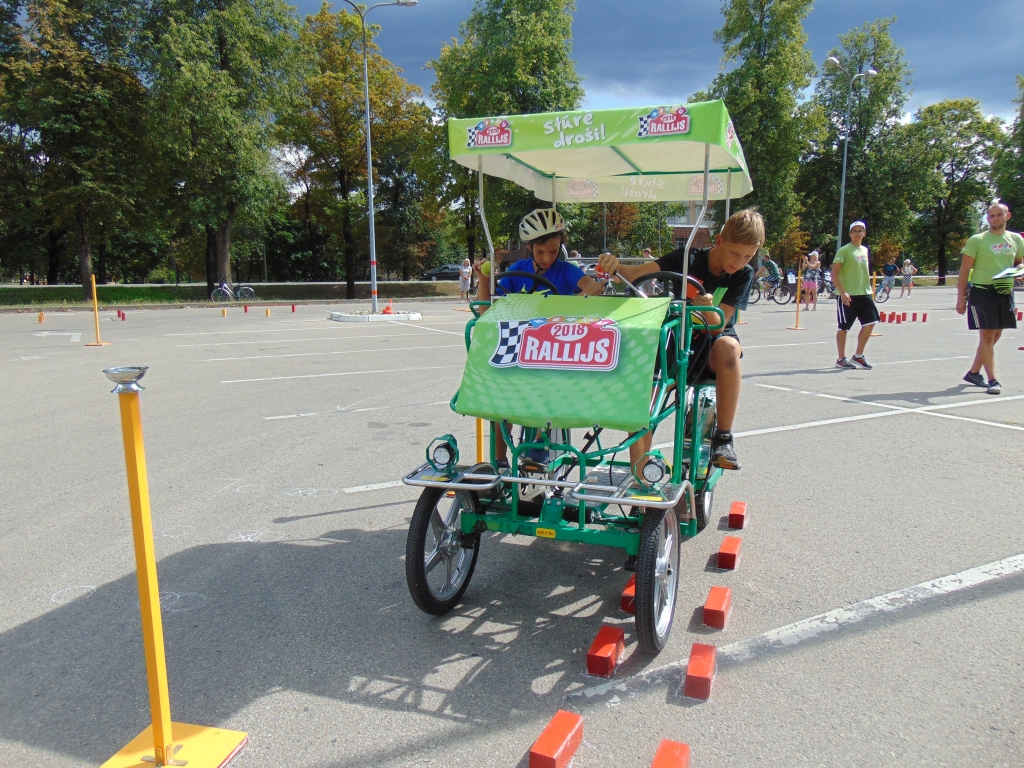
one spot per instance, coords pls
(479, 441)
(268, 311)
(96, 317)
(163, 742)
(738, 321)
(799, 285)
(223, 313)
(41, 317)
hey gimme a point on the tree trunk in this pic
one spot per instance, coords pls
(101, 261)
(224, 244)
(211, 260)
(84, 257)
(941, 259)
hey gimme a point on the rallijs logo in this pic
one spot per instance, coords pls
(558, 343)
(492, 132)
(664, 121)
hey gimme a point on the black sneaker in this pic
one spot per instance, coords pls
(843, 362)
(501, 464)
(975, 378)
(994, 388)
(723, 455)
(861, 361)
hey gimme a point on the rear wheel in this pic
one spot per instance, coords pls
(245, 293)
(755, 294)
(220, 294)
(703, 501)
(882, 296)
(437, 567)
(782, 294)
(657, 578)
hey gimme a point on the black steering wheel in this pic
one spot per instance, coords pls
(674, 277)
(538, 280)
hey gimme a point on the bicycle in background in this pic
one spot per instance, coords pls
(224, 293)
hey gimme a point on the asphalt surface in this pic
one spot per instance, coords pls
(285, 606)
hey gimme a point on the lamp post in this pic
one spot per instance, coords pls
(369, 157)
(834, 62)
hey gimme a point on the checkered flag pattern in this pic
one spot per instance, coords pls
(471, 143)
(507, 353)
(644, 120)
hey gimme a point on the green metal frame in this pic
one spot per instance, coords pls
(499, 508)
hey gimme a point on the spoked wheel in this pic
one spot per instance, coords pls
(657, 578)
(245, 293)
(437, 567)
(755, 294)
(220, 294)
(782, 294)
(882, 296)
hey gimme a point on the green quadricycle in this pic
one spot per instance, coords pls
(572, 382)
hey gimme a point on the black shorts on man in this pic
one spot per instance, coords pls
(861, 308)
(988, 309)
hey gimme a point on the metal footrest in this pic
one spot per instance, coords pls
(457, 478)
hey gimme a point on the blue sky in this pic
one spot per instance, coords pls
(646, 51)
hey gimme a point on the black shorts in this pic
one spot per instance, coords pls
(700, 354)
(861, 308)
(989, 309)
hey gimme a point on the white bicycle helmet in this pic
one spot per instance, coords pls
(540, 222)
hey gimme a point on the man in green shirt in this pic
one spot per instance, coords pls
(853, 296)
(989, 303)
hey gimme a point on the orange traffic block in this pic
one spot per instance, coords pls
(628, 601)
(223, 313)
(558, 741)
(606, 651)
(729, 553)
(717, 607)
(672, 754)
(738, 514)
(700, 672)
(42, 316)
(268, 311)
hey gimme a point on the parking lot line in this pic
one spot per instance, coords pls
(372, 487)
(340, 373)
(335, 352)
(290, 341)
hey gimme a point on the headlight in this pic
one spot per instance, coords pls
(443, 455)
(654, 471)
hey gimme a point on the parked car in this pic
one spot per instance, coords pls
(444, 272)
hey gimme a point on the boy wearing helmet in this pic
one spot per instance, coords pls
(543, 233)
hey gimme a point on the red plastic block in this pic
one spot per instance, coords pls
(738, 514)
(124, 316)
(899, 320)
(605, 651)
(293, 307)
(729, 553)
(904, 317)
(628, 600)
(700, 672)
(717, 607)
(914, 317)
(892, 317)
(672, 754)
(924, 318)
(558, 741)
(881, 317)
(246, 307)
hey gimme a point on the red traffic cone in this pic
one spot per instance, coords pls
(388, 310)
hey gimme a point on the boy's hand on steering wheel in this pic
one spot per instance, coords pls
(606, 262)
(705, 300)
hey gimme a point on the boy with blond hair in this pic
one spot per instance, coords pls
(725, 272)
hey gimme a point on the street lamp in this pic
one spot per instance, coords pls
(834, 62)
(369, 157)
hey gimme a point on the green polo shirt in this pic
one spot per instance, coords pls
(992, 254)
(854, 271)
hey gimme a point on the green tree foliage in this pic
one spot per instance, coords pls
(959, 143)
(886, 179)
(1008, 168)
(765, 40)
(514, 57)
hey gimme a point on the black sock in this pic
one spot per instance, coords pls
(722, 437)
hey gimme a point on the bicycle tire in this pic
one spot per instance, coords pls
(882, 296)
(220, 294)
(782, 294)
(245, 293)
(755, 294)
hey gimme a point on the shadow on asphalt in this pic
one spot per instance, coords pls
(330, 617)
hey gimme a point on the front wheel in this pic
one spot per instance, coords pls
(657, 578)
(437, 567)
(755, 294)
(782, 294)
(220, 294)
(245, 293)
(882, 296)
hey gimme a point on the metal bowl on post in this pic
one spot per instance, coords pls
(126, 377)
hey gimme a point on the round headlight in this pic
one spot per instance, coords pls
(443, 455)
(653, 471)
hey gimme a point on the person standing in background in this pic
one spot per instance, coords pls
(811, 276)
(853, 296)
(465, 279)
(909, 270)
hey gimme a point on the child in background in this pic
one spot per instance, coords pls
(909, 270)
(812, 274)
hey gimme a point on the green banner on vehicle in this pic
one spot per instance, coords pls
(571, 361)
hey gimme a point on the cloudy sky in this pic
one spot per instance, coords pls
(638, 52)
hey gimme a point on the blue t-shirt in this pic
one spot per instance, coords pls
(562, 274)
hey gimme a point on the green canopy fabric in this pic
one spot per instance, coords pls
(643, 154)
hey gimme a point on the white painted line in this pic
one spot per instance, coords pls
(823, 422)
(73, 337)
(435, 330)
(389, 407)
(291, 341)
(925, 360)
(831, 621)
(337, 352)
(289, 416)
(329, 328)
(341, 373)
(373, 487)
(797, 344)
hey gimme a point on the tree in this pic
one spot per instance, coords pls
(1008, 167)
(514, 57)
(960, 144)
(765, 40)
(221, 72)
(887, 178)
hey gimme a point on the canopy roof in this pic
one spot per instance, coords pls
(610, 155)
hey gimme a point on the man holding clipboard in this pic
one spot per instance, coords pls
(989, 262)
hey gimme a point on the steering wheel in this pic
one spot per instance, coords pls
(675, 277)
(538, 280)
